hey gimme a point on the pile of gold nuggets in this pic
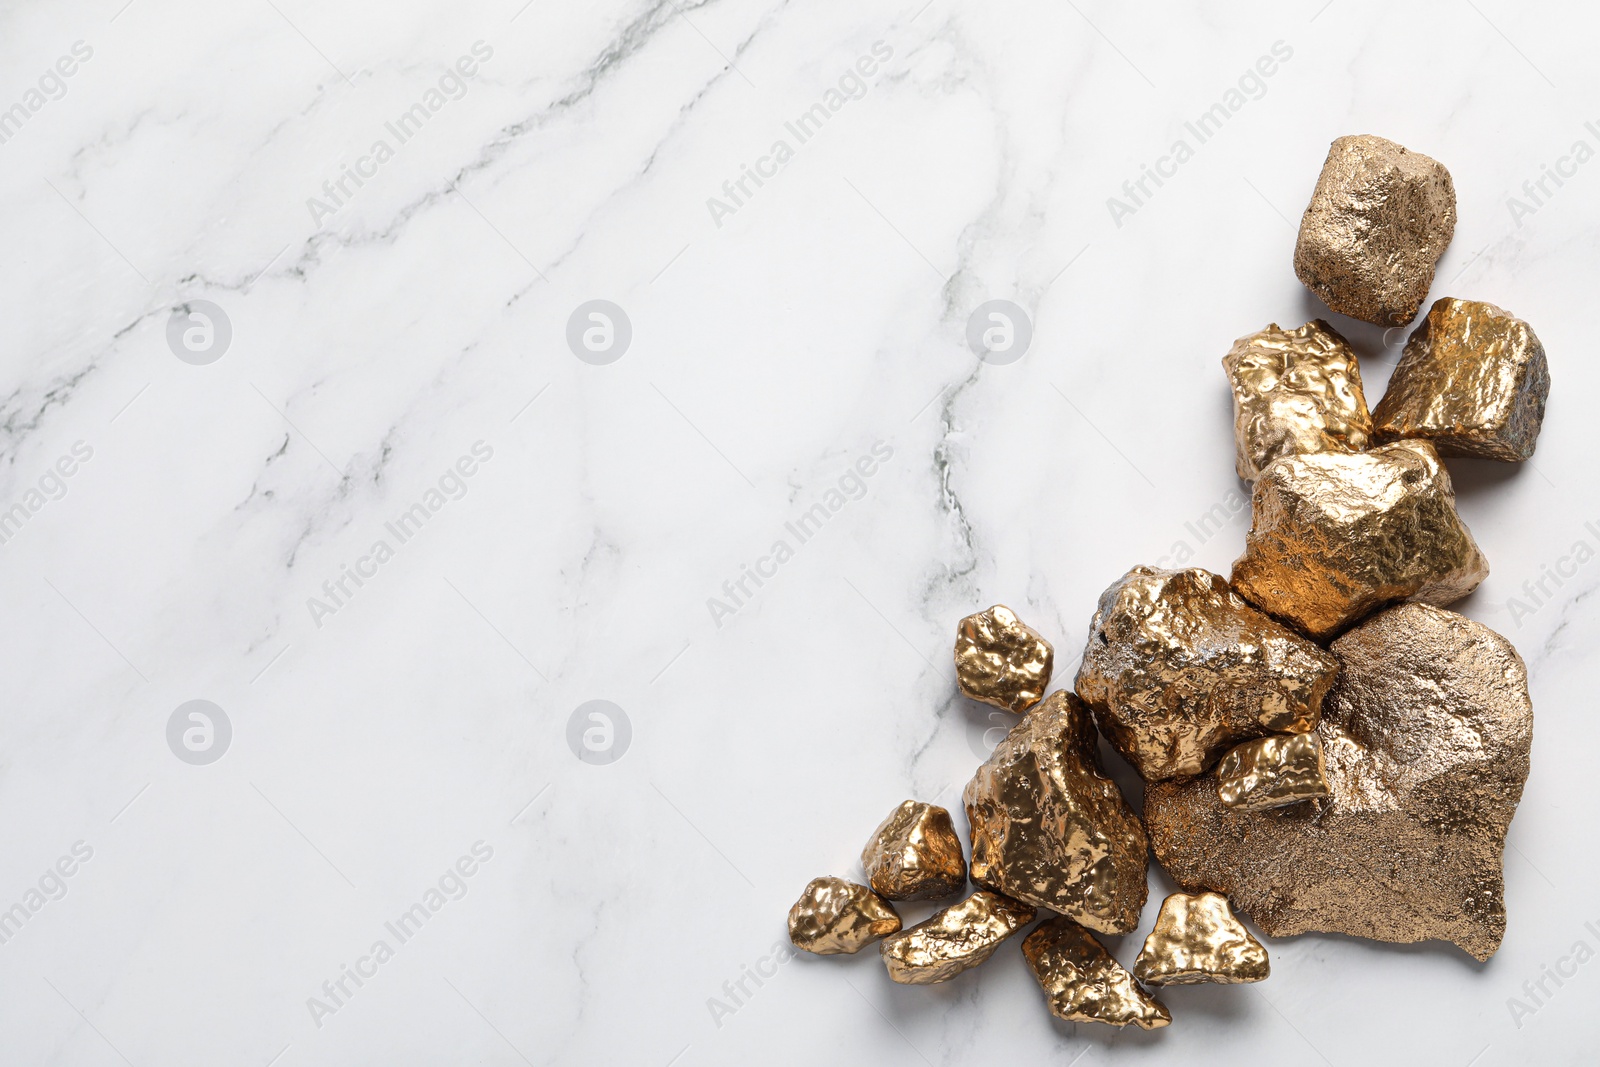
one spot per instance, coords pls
(1324, 746)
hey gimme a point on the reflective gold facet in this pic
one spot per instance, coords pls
(1049, 828)
(1473, 380)
(1197, 939)
(1425, 736)
(1000, 661)
(915, 855)
(1270, 772)
(953, 940)
(1081, 981)
(1334, 537)
(1178, 668)
(834, 916)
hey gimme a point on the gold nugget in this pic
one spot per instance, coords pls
(1000, 661)
(1081, 981)
(1473, 380)
(1197, 939)
(834, 916)
(915, 855)
(1273, 771)
(953, 940)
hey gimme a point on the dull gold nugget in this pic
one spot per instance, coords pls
(834, 916)
(1379, 219)
(1335, 537)
(1081, 981)
(953, 940)
(915, 855)
(1273, 771)
(1473, 380)
(1000, 661)
(1198, 939)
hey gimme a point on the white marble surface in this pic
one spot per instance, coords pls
(377, 339)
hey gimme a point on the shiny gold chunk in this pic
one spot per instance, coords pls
(1178, 668)
(1473, 380)
(1270, 772)
(1294, 391)
(1335, 537)
(1049, 828)
(1425, 736)
(1000, 661)
(1197, 939)
(1379, 219)
(915, 855)
(834, 916)
(953, 940)
(1083, 983)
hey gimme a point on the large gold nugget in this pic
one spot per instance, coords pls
(834, 916)
(953, 940)
(1197, 939)
(1426, 736)
(915, 855)
(1081, 981)
(1273, 771)
(1473, 380)
(1049, 828)
(1178, 668)
(1379, 219)
(1335, 537)
(1000, 661)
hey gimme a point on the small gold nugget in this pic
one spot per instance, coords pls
(953, 940)
(1335, 537)
(1473, 380)
(915, 855)
(1081, 981)
(1000, 661)
(1197, 939)
(1379, 219)
(1294, 391)
(834, 916)
(1273, 771)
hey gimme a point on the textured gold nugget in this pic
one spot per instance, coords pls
(1178, 668)
(1294, 391)
(915, 855)
(1081, 981)
(1197, 939)
(1473, 380)
(1425, 736)
(1050, 829)
(1000, 661)
(953, 940)
(1335, 537)
(834, 916)
(1273, 771)
(1379, 219)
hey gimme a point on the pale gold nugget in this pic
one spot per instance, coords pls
(1270, 772)
(1198, 939)
(915, 855)
(834, 916)
(1000, 661)
(1082, 983)
(954, 940)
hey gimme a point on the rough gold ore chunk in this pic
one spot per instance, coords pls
(1426, 738)
(954, 940)
(1294, 391)
(1000, 661)
(1178, 668)
(1335, 537)
(1473, 380)
(1270, 772)
(1379, 219)
(1197, 939)
(834, 916)
(1081, 981)
(915, 855)
(1049, 828)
